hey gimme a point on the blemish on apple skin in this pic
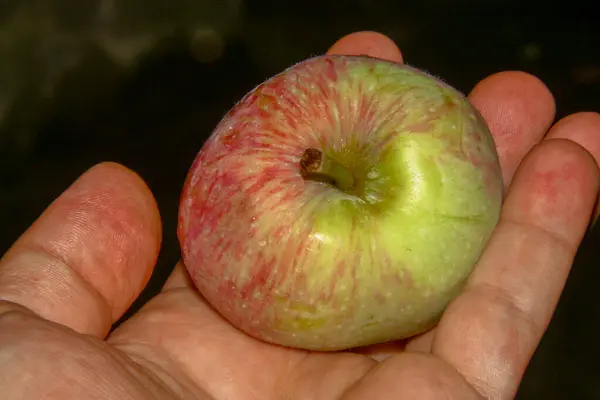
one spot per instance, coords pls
(379, 298)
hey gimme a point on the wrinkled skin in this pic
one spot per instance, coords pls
(70, 276)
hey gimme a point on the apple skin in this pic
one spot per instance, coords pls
(301, 263)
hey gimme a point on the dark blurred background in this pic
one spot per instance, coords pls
(143, 83)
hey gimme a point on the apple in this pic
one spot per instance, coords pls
(341, 203)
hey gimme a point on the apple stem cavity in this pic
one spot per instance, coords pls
(317, 166)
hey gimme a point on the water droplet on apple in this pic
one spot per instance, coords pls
(262, 243)
(372, 174)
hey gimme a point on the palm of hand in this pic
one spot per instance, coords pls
(88, 256)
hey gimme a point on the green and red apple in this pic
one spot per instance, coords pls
(343, 202)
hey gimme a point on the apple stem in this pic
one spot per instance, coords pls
(316, 166)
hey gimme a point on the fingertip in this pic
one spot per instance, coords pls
(522, 89)
(582, 128)
(373, 44)
(116, 194)
(121, 208)
(555, 189)
(133, 187)
(519, 109)
(513, 81)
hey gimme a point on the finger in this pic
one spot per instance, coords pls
(411, 376)
(519, 110)
(367, 43)
(582, 128)
(89, 255)
(491, 330)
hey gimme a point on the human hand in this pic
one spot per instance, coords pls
(79, 267)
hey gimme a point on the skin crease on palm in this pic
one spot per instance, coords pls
(88, 256)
